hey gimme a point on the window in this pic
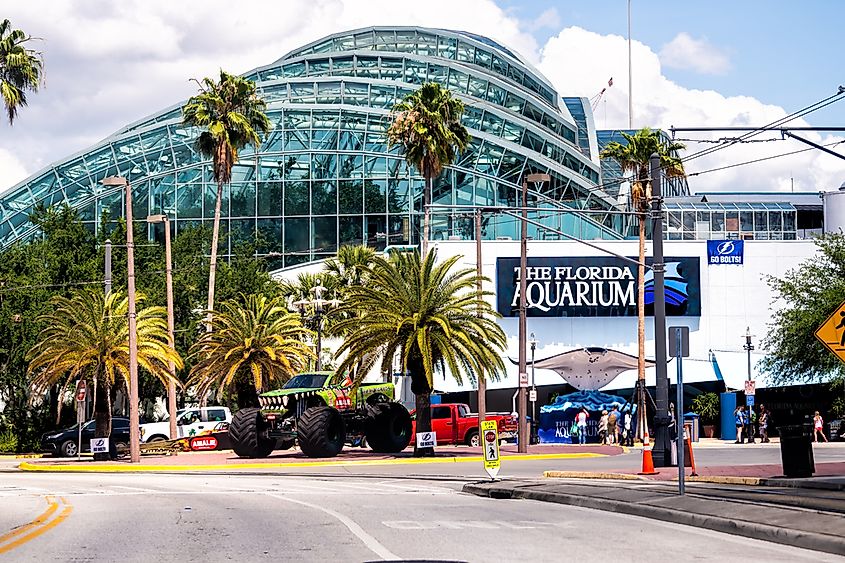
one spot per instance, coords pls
(216, 415)
(441, 413)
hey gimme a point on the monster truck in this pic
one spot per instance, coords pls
(321, 411)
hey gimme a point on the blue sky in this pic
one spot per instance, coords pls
(784, 52)
(715, 63)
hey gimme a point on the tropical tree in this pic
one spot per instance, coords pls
(252, 346)
(427, 313)
(86, 336)
(350, 264)
(232, 116)
(633, 157)
(20, 68)
(427, 126)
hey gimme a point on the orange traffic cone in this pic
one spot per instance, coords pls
(648, 463)
(645, 439)
(691, 458)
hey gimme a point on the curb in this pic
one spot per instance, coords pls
(126, 468)
(592, 475)
(765, 532)
(21, 456)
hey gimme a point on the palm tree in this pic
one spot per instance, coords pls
(232, 116)
(20, 68)
(427, 126)
(350, 264)
(633, 157)
(427, 313)
(252, 346)
(87, 337)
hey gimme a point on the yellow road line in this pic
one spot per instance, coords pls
(269, 465)
(37, 527)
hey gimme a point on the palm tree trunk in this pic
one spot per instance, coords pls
(426, 215)
(641, 334)
(212, 271)
(102, 416)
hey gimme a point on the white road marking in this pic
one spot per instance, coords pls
(133, 488)
(473, 524)
(369, 541)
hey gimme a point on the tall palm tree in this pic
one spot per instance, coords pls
(87, 337)
(252, 346)
(427, 126)
(350, 264)
(232, 116)
(633, 157)
(427, 313)
(20, 68)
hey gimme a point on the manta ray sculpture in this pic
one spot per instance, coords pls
(589, 368)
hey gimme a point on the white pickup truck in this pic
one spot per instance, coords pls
(189, 422)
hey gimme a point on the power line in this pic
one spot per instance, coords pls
(761, 159)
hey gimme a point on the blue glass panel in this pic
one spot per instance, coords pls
(297, 201)
(323, 198)
(351, 197)
(270, 198)
(324, 234)
(351, 229)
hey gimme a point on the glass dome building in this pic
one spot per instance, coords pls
(325, 175)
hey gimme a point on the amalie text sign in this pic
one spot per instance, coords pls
(594, 286)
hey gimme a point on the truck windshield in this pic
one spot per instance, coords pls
(307, 381)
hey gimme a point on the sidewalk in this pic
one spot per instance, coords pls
(811, 519)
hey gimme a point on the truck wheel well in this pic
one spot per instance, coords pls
(377, 398)
(315, 401)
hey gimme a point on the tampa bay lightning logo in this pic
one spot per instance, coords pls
(726, 248)
(676, 286)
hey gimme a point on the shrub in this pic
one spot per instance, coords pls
(706, 406)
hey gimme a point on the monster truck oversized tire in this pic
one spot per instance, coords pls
(247, 434)
(321, 432)
(388, 428)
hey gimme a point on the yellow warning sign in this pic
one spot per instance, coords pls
(832, 332)
(490, 443)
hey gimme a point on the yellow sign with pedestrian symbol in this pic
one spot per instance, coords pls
(832, 332)
(490, 443)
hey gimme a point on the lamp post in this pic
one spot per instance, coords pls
(320, 306)
(168, 268)
(748, 347)
(522, 405)
(134, 427)
(533, 343)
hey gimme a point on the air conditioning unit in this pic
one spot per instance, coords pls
(504, 238)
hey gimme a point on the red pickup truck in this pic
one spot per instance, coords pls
(454, 424)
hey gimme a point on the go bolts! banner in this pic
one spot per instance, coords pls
(595, 286)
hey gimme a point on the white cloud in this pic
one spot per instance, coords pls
(548, 19)
(687, 53)
(579, 61)
(11, 167)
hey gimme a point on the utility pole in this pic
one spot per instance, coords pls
(108, 267)
(661, 452)
(522, 405)
(630, 77)
(482, 382)
(168, 268)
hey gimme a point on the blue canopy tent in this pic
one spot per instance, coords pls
(557, 418)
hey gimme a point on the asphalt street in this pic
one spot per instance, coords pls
(144, 517)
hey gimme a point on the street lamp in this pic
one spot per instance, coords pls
(134, 426)
(522, 434)
(533, 343)
(320, 307)
(171, 385)
(748, 347)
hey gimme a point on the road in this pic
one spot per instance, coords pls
(177, 517)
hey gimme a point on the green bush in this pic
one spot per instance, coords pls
(8, 442)
(706, 406)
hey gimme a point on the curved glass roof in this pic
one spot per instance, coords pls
(324, 176)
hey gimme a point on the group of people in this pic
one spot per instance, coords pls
(749, 421)
(614, 427)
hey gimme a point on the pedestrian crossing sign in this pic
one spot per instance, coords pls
(490, 443)
(832, 332)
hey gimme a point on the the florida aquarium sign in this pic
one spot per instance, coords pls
(594, 286)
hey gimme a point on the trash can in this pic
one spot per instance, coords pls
(796, 450)
(691, 422)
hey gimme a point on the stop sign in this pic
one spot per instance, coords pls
(80, 390)
(490, 436)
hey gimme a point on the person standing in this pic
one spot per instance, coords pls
(603, 428)
(613, 426)
(581, 422)
(627, 427)
(739, 420)
(818, 427)
(751, 421)
(763, 422)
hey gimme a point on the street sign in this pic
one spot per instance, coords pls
(203, 443)
(676, 334)
(99, 445)
(523, 380)
(832, 332)
(749, 387)
(532, 395)
(490, 431)
(80, 390)
(426, 439)
(749, 400)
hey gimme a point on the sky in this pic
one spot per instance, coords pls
(695, 64)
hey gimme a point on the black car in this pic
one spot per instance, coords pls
(65, 442)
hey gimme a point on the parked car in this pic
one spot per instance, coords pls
(65, 442)
(454, 424)
(189, 422)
